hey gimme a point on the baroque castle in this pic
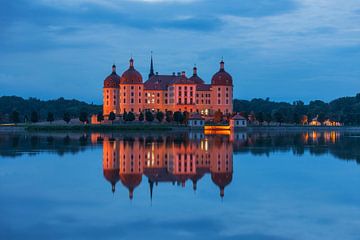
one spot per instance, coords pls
(175, 92)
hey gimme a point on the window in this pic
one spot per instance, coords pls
(132, 100)
(132, 94)
(124, 100)
(219, 101)
(218, 94)
(158, 94)
(132, 87)
(139, 100)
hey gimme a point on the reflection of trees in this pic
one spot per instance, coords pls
(342, 146)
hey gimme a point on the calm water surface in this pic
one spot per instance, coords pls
(180, 186)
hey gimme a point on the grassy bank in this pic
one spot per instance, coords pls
(104, 128)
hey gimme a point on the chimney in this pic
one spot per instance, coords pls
(178, 73)
(157, 73)
(173, 74)
(183, 73)
(195, 70)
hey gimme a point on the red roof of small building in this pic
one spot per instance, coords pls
(238, 117)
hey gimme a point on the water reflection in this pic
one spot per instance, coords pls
(167, 159)
(181, 157)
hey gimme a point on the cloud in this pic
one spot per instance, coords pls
(264, 42)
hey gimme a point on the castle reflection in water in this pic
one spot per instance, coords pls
(170, 159)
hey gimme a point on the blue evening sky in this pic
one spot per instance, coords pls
(282, 49)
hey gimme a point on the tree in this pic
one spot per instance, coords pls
(160, 116)
(141, 117)
(67, 117)
(178, 117)
(15, 117)
(83, 117)
(259, 116)
(218, 116)
(278, 116)
(124, 116)
(130, 117)
(34, 117)
(100, 117)
(149, 117)
(112, 117)
(169, 116)
(185, 117)
(50, 117)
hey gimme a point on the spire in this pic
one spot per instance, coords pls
(113, 188)
(151, 184)
(151, 67)
(131, 62)
(114, 68)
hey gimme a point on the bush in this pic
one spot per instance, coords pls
(160, 116)
(50, 117)
(66, 117)
(130, 117)
(149, 116)
(83, 117)
(141, 117)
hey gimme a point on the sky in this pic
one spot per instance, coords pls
(285, 49)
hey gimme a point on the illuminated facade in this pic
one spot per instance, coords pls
(167, 160)
(176, 92)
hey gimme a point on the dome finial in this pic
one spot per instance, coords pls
(222, 64)
(195, 70)
(114, 68)
(131, 62)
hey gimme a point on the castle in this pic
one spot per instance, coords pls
(176, 92)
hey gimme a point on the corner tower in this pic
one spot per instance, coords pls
(222, 91)
(111, 93)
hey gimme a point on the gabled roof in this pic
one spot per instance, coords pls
(161, 82)
(203, 87)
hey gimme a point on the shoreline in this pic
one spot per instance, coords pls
(164, 128)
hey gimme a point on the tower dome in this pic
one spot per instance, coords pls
(222, 180)
(112, 176)
(131, 181)
(195, 78)
(222, 77)
(131, 75)
(113, 80)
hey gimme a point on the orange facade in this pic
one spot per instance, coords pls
(167, 160)
(176, 92)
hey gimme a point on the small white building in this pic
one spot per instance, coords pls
(196, 120)
(238, 121)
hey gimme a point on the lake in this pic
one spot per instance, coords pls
(256, 185)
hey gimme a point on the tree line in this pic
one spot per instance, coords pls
(345, 110)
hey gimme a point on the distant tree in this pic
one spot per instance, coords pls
(169, 116)
(112, 117)
(50, 117)
(141, 117)
(259, 116)
(67, 117)
(83, 117)
(34, 117)
(185, 117)
(218, 116)
(100, 117)
(178, 117)
(278, 116)
(15, 117)
(130, 117)
(124, 116)
(149, 117)
(160, 116)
